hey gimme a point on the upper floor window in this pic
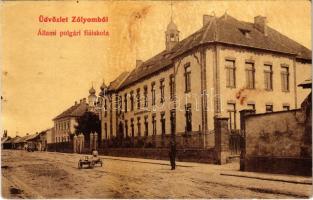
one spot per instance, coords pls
(230, 73)
(188, 118)
(269, 108)
(153, 93)
(105, 108)
(172, 86)
(131, 100)
(285, 78)
(145, 94)
(162, 90)
(120, 103)
(187, 77)
(250, 75)
(116, 102)
(268, 77)
(125, 102)
(138, 99)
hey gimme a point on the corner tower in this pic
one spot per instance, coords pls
(171, 35)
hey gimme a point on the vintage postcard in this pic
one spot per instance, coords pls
(156, 99)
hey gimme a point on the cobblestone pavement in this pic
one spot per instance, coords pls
(56, 175)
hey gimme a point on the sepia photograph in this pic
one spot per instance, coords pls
(163, 99)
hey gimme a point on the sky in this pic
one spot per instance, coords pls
(42, 76)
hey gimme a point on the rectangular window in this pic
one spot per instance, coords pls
(269, 108)
(145, 93)
(132, 101)
(153, 124)
(172, 87)
(250, 75)
(162, 120)
(106, 130)
(120, 103)
(153, 93)
(230, 73)
(251, 106)
(268, 77)
(162, 90)
(126, 128)
(285, 78)
(132, 127)
(187, 75)
(105, 108)
(286, 107)
(116, 102)
(146, 126)
(125, 102)
(138, 127)
(138, 99)
(188, 117)
(231, 109)
(173, 121)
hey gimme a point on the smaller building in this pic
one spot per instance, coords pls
(64, 123)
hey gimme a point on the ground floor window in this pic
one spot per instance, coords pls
(153, 125)
(286, 107)
(231, 109)
(146, 126)
(269, 108)
(132, 127)
(163, 123)
(126, 128)
(188, 118)
(139, 126)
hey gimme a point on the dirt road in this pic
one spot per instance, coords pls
(55, 175)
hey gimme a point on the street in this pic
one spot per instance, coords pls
(55, 175)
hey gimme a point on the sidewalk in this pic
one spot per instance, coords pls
(270, 177)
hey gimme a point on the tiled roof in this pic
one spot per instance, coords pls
(3, 139)
(226, 30)
(117, 82)
(74, 111)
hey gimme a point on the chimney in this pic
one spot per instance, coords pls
(75, 103)
(80, 101)
(138, 63)
(84, 100)
(260, 24)
(207, 19)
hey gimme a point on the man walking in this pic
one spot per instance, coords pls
(172, 154)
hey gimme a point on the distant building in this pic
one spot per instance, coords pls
(64, 124)
(46, 137)
(225, 66)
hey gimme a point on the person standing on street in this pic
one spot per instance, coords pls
(172, 154)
